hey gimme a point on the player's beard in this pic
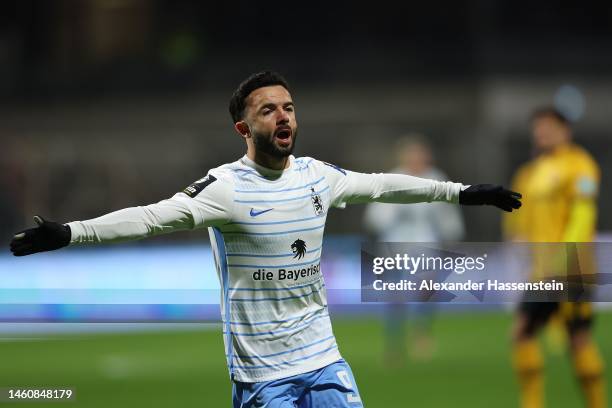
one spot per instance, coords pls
(266, 143)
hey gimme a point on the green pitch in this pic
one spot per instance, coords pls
(470, 368)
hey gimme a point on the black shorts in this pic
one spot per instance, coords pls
(576, 315)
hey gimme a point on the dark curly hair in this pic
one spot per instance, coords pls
(253, 82)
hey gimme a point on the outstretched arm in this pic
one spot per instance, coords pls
(186, 210)
(352, 187)
(397, 188)
(134, 223)
(123, 225)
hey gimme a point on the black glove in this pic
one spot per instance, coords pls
(46, 237)
(489, 194)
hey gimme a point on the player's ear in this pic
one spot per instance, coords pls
(243, 129)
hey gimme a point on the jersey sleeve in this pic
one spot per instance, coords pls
(584, 178)
(583, 191)
(207, 202)
(349, 187)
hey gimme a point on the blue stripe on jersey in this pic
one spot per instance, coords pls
(284, 189)
(283, 298)
(274, 233)
(264, 333)
(335, 346)
(225, 286)
(270, 256)
(276, 321)
(281, 200)
(245, 171)
(274, 289)
(275, 222)
(273, 266)
(286, 352)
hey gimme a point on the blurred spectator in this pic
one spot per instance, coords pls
(423, 222)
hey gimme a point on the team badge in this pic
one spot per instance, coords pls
(317, 203)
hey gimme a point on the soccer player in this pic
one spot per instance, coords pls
(561, 185)
(266, 213)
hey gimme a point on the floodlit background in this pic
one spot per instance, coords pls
(106, 104)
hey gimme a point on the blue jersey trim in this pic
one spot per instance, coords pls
(275, 222)
(281, 200)
(274, 289)
(334, 166)
(226, 299)
(287, 351)
(272, 332)
(275, 233)
(283, 298)
(273, 266)
(304, 316)
(271, 256)
(245, 171)
(335, 346)
(282, 190)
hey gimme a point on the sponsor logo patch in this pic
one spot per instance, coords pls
(195, 188)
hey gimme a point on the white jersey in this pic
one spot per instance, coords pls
(266, 228)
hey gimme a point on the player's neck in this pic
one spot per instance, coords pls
(268, 161)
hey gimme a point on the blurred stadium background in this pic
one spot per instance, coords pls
(106, 104)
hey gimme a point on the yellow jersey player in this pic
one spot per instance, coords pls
(560, 188)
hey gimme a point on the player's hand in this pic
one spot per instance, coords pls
(46, 237)
(489, 194)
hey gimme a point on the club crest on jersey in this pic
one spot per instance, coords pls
(298, 248)
(317, 202)
(195, 188)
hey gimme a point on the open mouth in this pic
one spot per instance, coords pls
(283, 135)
